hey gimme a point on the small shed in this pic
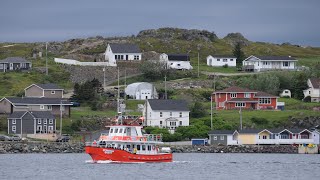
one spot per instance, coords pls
(199, 141)
(285, 93)
(141, 91)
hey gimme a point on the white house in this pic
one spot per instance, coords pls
(124, 52)
(177, 61)
(141, 91)
(166, 113)
(266, 63)
(285, 93)
(314, 89)
(219, 60)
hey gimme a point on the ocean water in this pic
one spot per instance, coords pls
(185, 166)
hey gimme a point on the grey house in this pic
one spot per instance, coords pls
(31, 122)
(223, 137)
(14, 64)
(9, 105)
(44, 90)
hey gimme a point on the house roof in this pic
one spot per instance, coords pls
(234, 89)
(168, 104)
(36, 114)
(223, 56)
(48, 86)
(14, 60)
(242, 100)
(264, 94)
(315, 82)
(275, 58)
(178, 57)
(222, 132)
(250, 131)
(124, 48)
(48, 101)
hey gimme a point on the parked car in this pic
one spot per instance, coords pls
(4, 137)
(63, 138)
(15, 138)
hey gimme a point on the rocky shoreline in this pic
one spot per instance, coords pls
(52, 147)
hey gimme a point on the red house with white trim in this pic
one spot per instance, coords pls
(236, 98)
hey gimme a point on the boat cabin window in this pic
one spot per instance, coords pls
(143, 147)
(111, 130)
(149, 148)
(120, 130)
(116, 130)
(125, 131)
(138, 147)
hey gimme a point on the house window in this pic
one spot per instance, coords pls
(49, 107)
(286, 64)
(264, 137)
(160, 114)
(14, 121)
(215, 138)
(170, 114)
(180, 123)
(180, 114)
(41, 106)
(45, 121)
(39, 121)
(247, 95)
(1, 66)
(240, 104)
(14, 129)
(225, 60)
(221, 137)
(264, 100)
(150, 114)
(136, 57)
(173, 123)
(53, 92)
(231, 59)
(218, 59)
(178, 64)
(160, 122)
(233, 95)
(50, 121)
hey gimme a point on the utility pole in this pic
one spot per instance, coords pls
(104, 77)
(47, 58)
(240, 112)
(118, 99)
(60, 118)
(211, 117)
(198, 60)
(165, 87)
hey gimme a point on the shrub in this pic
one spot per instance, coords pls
(225, 66)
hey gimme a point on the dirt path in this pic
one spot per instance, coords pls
(230, 74)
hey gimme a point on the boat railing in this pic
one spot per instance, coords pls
(153, 137)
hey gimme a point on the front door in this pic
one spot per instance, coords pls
(45, 128)
(11, 66)
(253, 106)
(127, 57)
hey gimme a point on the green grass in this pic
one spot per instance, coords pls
(204, 67)
(309, 61)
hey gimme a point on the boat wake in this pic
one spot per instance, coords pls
(109, 162)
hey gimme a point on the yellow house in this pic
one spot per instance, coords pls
(248, 136)
(264, 134)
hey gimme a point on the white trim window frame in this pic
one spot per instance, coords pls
(53, 92)
(240, 104)
(38, 121)
(233, 95)
(50, 121)
(247, 95)
(264, 100)
(14, 129)
(14, 121)
(41, 106)
(45, 121)
(49, 107)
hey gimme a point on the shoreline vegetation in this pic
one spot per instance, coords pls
(52, 147)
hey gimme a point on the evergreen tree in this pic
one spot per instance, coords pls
(239, 54)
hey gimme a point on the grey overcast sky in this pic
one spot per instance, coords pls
(276, 21)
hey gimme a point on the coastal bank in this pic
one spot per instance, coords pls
(53, 147)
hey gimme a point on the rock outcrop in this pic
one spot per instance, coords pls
(234, 38)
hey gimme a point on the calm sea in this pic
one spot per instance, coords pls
(185, 166)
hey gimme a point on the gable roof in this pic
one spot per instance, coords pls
(47, 86)
(168, 105)
(35, 114)
(178, 57)
(222, 132)
(223, 56)
(272, 58)
(14, 60)
(234, 89)
(264, 94)
(38, 101)
(250, 131)
(315, 82)
(124, 48)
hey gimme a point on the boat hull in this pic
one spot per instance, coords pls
(118, 155)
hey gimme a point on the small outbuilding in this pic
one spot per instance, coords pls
(141, 91)
(285, 93)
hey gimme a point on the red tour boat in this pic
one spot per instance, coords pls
(125, 144)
